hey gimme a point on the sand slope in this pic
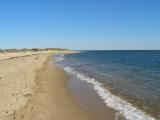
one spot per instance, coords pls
(33, 89)
(51, 100)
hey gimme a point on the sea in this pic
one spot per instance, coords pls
(128, 81)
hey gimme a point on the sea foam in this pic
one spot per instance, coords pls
(58, 57)
(121, 106)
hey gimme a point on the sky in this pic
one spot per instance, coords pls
(80, 24)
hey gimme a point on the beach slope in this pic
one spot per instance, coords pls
(32, 88)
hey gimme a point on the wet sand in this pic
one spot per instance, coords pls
(87, 97)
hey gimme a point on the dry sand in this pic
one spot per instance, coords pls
(33, 89)
(4, 56)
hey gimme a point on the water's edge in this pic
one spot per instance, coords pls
(123, 107)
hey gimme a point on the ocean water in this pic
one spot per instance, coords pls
(127, 81)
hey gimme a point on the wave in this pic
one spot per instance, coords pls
(121, 106)
(58, 57)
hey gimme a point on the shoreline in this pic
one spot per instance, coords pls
(88, 98)
(124, 108)
(46, 91)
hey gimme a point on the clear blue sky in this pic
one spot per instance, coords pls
(80, 24)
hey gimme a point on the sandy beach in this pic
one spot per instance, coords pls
(31, 88)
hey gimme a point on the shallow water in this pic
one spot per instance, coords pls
(86, 96)
(132, 75)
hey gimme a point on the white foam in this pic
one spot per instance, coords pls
(123, 107)
(59, 57)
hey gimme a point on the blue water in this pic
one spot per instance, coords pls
(132, 75)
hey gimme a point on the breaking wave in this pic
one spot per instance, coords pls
(123, 107)
(58, 57)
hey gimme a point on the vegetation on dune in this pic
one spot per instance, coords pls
(1, 51)
(33, 50)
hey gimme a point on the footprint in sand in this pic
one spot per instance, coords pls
(31, 108)
(22, 116)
